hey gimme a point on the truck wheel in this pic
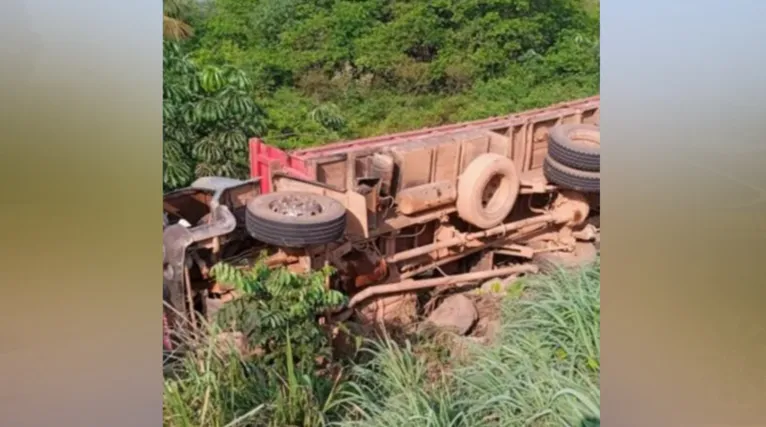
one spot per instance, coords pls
(295, 219)
(570, 178)
(576, 145)
(487, 190)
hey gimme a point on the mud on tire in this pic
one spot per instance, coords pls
(487, 172)
(295, 219)
(577, 146)
(570, 178)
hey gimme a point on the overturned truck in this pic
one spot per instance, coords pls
(394, 214)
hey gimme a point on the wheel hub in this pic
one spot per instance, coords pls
(296, 206)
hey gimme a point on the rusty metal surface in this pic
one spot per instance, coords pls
(412, 285)
(378, 142)
(425, 197)
(464, 239)
(175, 240)
(399, 192)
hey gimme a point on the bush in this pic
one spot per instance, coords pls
(216, 384)
(279, 308)
(393, 66)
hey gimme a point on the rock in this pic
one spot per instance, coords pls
(584, 253)
(456, 313)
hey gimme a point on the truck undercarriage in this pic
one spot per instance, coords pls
(393, 215)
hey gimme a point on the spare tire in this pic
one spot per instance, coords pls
(576, 145)
(570, 178)
(487, 190)
(295, 219)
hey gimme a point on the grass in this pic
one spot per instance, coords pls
(216, 387)
(542, 369)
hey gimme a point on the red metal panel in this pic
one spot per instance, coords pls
(262, 156)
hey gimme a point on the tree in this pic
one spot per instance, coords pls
(174, 26)
(337, 69)
(208, 114)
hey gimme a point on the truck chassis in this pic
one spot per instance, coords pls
(471, 202)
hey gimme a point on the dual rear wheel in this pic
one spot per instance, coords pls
(574, 157)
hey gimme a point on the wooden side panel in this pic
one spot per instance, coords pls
(538, 156)
(539, 144)
(414, 167)
(541, 127)
(573, 118)
(472, 148)
(499, 143)
(332, 173)
(517, 135)
(446, 163)
(592, 117)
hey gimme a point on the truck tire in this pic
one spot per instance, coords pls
(576, 145)
(295, 219)
(489, 176)
(570, 178)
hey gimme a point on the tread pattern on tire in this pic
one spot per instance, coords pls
(293, 234)
(570, 178)
(561, 149)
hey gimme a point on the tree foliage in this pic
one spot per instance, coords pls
(208, 114)
(325, 70)
(279, 307)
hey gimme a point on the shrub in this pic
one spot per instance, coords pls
(216, 385)
(279, 307)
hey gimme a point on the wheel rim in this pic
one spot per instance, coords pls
(294, 205)
(495, 194)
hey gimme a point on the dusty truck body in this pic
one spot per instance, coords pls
(470, 201)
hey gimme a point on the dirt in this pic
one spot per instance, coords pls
(489, 309)
(456, 313)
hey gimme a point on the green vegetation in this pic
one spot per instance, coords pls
(306, 72)
(542, 369)
(280, 383)
(314, 71)
(277, 302)
(208, 114)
